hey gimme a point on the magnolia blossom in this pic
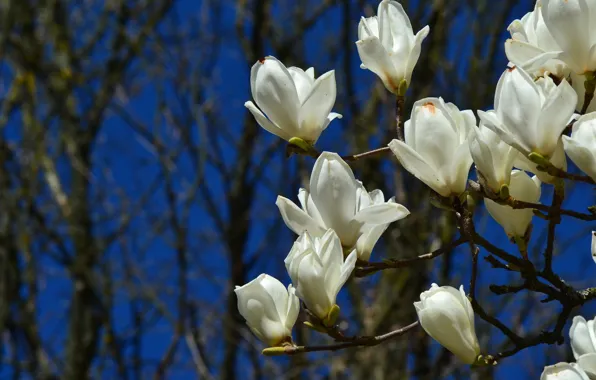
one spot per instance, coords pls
(387, 45)
(289, 101)
(572, 23)
(338, 201)
(587, 362)
(582, 336)
(530, 116)
(269, 309)
(532, 47)
(516, 222)
(581, 145)
(436, 148)
(318, 269)
(564, 371)
(447, 316)
(493, 157)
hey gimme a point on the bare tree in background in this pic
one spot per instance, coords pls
(136, 192)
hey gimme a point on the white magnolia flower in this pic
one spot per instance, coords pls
(587, 362)
(289, 101)
(530, 116)
(493, 157)
(436, 148)
(581, 145)
(318, 270)
(269, 309)
(532, 47)
(338, 201)
(572, 23)
(564, 371)
(387, 45)
(523, 188)
(582, 336)
(447, 316)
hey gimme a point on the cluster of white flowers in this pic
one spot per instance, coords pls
(582, 337)
(552, 51)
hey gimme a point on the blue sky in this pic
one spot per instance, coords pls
(124, 152)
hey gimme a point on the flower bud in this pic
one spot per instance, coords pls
(318, 269)
(516, 222)
(388, 47)
(269, 309)
(447, 316)
(581, 145)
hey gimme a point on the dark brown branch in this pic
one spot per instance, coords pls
(400, 115)
(362, 341)
(364, 268)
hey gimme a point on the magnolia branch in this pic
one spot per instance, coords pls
(365, 268)
(358, 341)
(518, 204)
(302, 148)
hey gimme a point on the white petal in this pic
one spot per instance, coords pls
(556, 112)
(293, 308)
(491, 121)
(303, 82)
(347, 268)
(333, 190)
(519, 107)
(568, 22)
(415, 164)
(581, 155)
(456, 172)
(265, 123)
(332, 116)
(384, 213)
(395, 29)
(275, 93)
(563, 371)
(588, 364)
(516, 222)
(368, 239)
(529, 57)
(415, 52)
(376, 59)
(436, 133)
(368, 27)
(317, 105)
(296, 219)
(581, 338)
(263, 304)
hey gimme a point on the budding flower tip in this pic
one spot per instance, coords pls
(274, 351)
(504, 191)
(332, 316)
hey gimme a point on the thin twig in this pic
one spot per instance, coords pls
(356, 342)
(400, 116)
(374, 152)
(364, 268)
